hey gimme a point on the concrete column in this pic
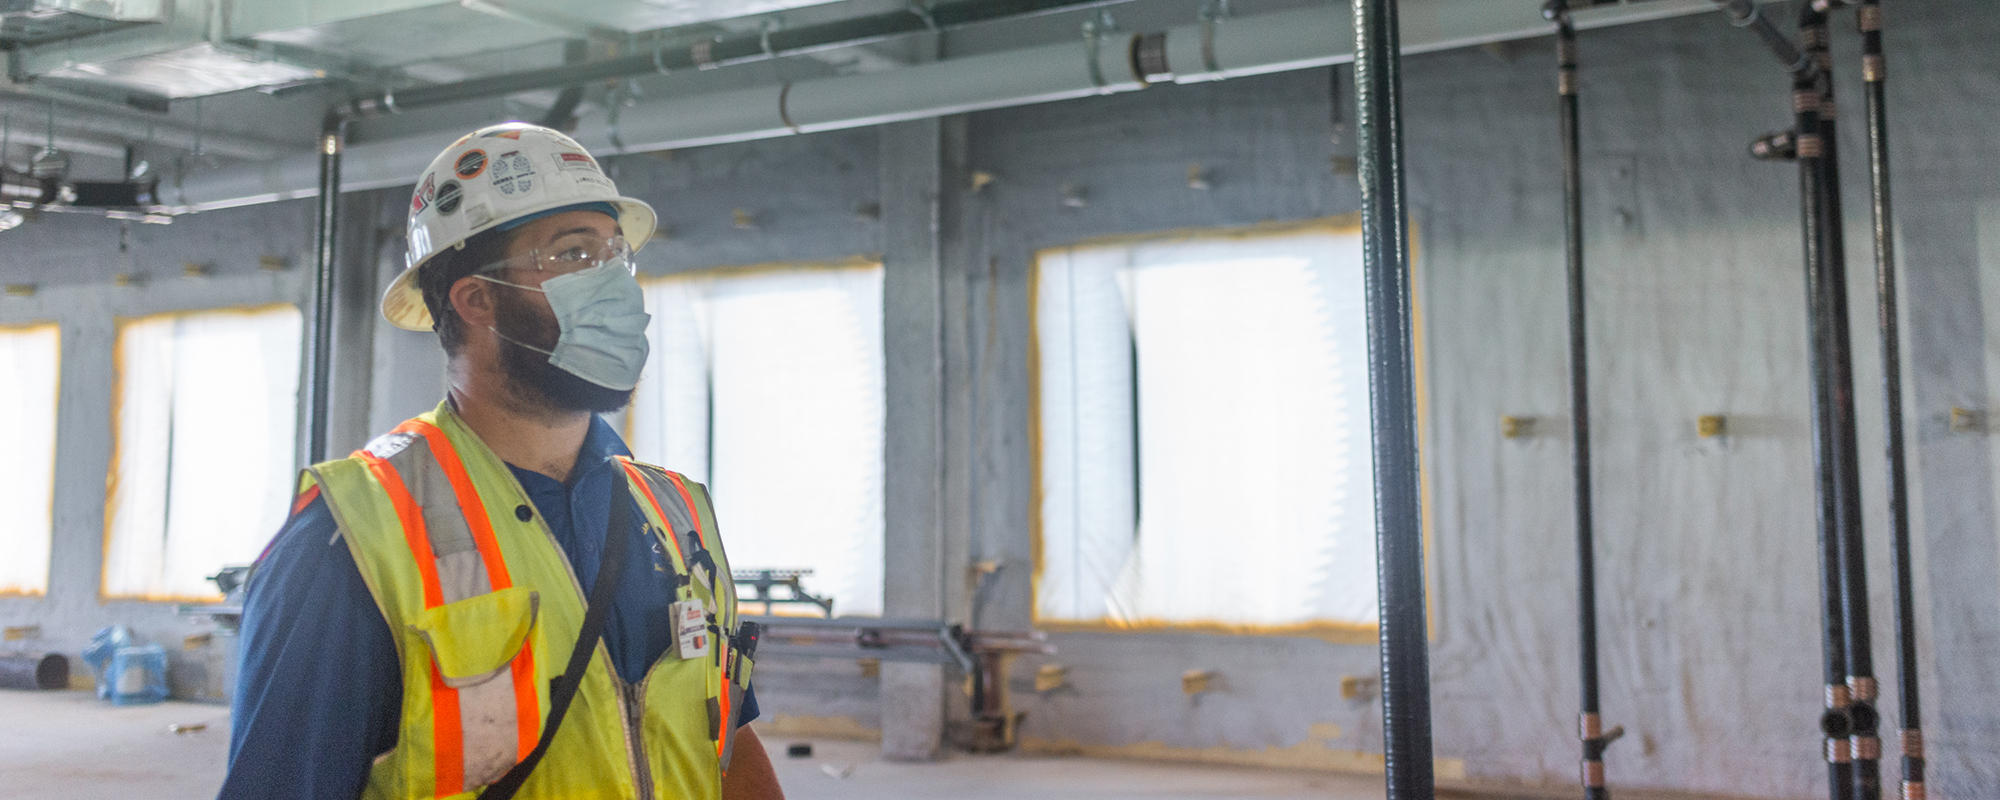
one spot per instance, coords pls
(913, 695)
(85, 398)
(356, 306)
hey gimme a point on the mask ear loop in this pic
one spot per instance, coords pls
(496, 330)
(510, 283)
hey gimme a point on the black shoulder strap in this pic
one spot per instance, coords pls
(562, 688)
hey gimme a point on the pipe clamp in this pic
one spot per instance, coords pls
(1092, 38)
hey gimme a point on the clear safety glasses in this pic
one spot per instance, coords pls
(571, 254)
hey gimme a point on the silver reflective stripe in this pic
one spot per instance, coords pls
(388, 445)
(461, 572)
(678, 514)
(486, 716)
(489, 721)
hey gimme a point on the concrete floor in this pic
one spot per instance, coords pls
(70, 746)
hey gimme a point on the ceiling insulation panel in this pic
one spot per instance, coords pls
(195, 71)
(445, 23)
(645, 15)
(36, 21)
(415, 36)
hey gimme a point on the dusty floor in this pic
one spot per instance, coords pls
(70, 746)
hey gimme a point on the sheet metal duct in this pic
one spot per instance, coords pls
(1202, 51)
(197, 71)
(100, 122)
(27, 22)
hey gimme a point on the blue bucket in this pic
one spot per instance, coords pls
(137, 675)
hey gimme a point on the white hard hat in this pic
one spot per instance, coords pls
(493, 176)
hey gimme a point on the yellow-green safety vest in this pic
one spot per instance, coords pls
(485, 610)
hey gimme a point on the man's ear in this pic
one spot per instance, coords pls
(472, 298)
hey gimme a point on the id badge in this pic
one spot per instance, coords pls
(691, 621)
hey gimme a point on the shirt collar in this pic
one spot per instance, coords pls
(601, 442)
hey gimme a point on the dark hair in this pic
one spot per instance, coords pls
(436, 277)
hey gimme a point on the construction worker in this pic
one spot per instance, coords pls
(493, 600)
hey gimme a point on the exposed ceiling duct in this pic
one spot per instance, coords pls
(201, 48)
(119, 126)
(1105, 64)
(25, 22)
(199, 71)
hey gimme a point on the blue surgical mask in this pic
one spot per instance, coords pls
(601, 313)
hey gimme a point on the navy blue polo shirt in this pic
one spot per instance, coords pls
(319, 693)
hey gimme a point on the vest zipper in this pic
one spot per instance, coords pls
(633, 698)
(631, 704)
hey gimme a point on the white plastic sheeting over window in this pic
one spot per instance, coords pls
(1203, 412)
(768, 386)
(30, 363)
(206, 426)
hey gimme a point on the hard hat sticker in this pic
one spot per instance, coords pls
(448, 196)
(570, 161)
(512, 174)
(422, 199)
(597, 180)
(513, 134)
(470, 164)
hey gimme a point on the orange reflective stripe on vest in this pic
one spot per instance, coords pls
(449, 734)
(722, 643)
(527, 706)
(689, 499)
(474, 590)
(304, 499)
(639, 479)
(448, 737)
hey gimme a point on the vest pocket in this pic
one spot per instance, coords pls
(472, 641)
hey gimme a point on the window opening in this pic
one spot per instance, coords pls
(767, 384)
(30, 378)
(1242, 496)
(206, 427)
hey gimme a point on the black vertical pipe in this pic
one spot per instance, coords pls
(1590, 726)
(1399, 545)
(1834, 722)
(1864, 745)
(1872, 73)
(319, 357)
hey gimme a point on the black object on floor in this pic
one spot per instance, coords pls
(23, 670)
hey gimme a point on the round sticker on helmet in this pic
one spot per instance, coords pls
(448, 197)
(470, 164)
(512, 174)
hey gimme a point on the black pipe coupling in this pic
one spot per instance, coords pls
(1594, 746)
(1863, 717)
(1780, 146)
